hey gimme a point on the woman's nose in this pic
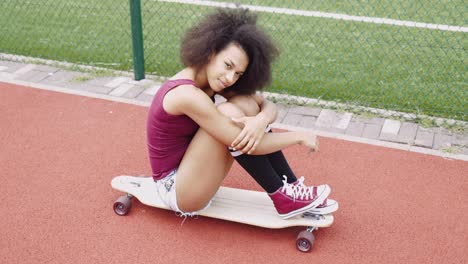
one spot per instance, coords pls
(230, 76)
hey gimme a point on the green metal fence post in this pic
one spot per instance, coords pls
(137, 40)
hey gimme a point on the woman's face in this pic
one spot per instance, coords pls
(226, 67)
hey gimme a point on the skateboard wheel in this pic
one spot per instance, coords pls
(122, 205)
(305, 241)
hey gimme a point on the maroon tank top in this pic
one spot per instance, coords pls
(168, 136)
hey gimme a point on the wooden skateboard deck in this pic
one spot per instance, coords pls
(231, 204)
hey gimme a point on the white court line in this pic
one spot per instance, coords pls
(287, 11)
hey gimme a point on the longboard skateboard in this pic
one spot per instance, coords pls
(231, 204)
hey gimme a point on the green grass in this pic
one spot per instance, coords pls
(397, 68)
(450, 12)
(92, 32)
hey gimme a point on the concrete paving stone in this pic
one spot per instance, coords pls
(133, 92)
(145, 97)
(460, 140)
(46, 68)
(117, 81)
(393, 138)
(307, 111)
(121, 90)
(97, 89)
(333, 130)
(355, 129)
(407, 132)
(26, 76)
(282, 112)
(391, 127)
(101, 81)
(359, 119)
(5, 63)
(424, 138)
(61, 77)
(75, 85)
(371, 131)
(84, 86)
(3, 68)
(282, 106)
(292, 119)
(442, 140)
(376, 121)
(308, 121)
(26, 68)
(464, 150)
(33, 76)
(367, 120)
(344, 120)
(146, 83)
(7, 75)
(152, 90)
(11, 66)
(327, 118)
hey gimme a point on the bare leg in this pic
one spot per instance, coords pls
(204, 166)
(207, 161)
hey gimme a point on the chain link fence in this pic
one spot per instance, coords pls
(406, 56)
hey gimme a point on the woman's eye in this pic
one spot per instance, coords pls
(228, 65)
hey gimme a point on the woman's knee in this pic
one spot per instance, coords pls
(230, 110)
(246, 104)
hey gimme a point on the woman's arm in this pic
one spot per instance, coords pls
(198, 106)
(268, 110)
(253, 127)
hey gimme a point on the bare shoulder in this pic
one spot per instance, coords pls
(184, 98)
(258, 97)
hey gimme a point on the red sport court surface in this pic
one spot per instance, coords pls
(59, 153)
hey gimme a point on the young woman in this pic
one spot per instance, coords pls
(192, 142)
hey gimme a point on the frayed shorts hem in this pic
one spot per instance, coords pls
(166, 189)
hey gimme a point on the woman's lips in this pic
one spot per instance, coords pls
(223, 84)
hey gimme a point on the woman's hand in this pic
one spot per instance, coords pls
(251, 134)
(310, 140)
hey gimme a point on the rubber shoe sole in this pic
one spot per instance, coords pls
(332, 206)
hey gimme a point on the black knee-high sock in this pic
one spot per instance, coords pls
(261, 169)
(281, 165)
(267, 170)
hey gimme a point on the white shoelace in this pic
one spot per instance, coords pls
(297, 191)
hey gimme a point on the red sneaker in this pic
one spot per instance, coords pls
(294, 199)
(327, 207)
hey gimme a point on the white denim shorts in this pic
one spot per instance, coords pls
(166, 189)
